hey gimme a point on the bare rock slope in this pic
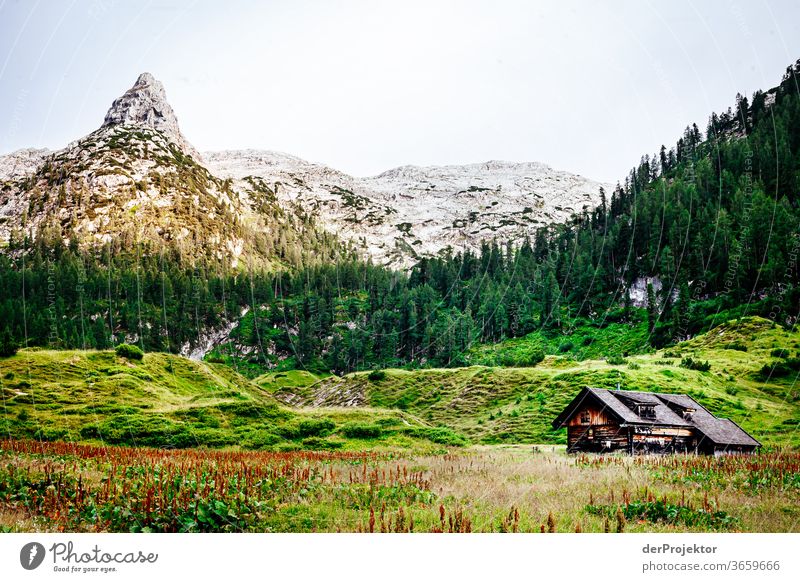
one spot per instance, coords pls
(138, 179)
(410, 212)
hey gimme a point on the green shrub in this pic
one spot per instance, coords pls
(241, 412)
(50, 434)
(588, 340)
(141, 430)
(376, 375)
(359, 430)
(129, 351)
(661, 512)
(521, 359)
(318, 443)
(691, 364)
(780, 353)
(442, 436)
(737, 345)
(793, 363)
(8, 347)
(309, 427)
(566, 347)
(616, 361)
(777, 370)
(260, 439)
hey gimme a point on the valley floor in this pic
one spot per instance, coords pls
(68, 487)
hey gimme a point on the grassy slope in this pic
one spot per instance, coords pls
(585, 342)
(272, 381)
(165, 400)
(494, 404)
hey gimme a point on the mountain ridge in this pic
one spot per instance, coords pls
(394, 218)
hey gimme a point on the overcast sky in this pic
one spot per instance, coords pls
(587, 87)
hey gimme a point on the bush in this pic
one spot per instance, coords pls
(616, 361)
(359, 430)
(691, 364)
(662, 512)
(318, 443)
(780, 353)
(526, 359)
(566, 347)
(376, 375)
(738, 346)
(310, 427)
(260, 439)
(777, 370)
(793, 363)
(141, 430)
(50, 434)
(588, 340)
(8, 347)
(130, 352)
(442, 436)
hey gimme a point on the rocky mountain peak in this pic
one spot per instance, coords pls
(145, 104)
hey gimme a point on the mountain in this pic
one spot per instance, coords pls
(138, 181)
(145, 104)
(410, 212)
(704, 232)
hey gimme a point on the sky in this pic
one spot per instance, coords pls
(364, 86)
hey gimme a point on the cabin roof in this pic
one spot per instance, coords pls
(665, 407)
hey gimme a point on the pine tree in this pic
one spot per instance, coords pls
(8, 347)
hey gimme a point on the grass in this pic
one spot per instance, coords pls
(272, 381)
(169, 401)
(391, 450)
(482, 489)
(492, 404)
(585, 341)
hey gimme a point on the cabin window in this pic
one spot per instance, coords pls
(647, 411)
(585, 417)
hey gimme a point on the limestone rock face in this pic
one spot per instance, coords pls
(145, 105)
(131, 180)
(411, 212)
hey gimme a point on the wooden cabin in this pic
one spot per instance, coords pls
(603, 421)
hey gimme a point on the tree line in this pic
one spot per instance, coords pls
(710, 223)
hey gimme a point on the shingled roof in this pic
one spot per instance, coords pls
(667, 409)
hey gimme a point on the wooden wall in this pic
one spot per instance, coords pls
(596, 416)
(603, 434)
(604, 437)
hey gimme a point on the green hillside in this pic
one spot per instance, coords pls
(752, 380)
(169, 401)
